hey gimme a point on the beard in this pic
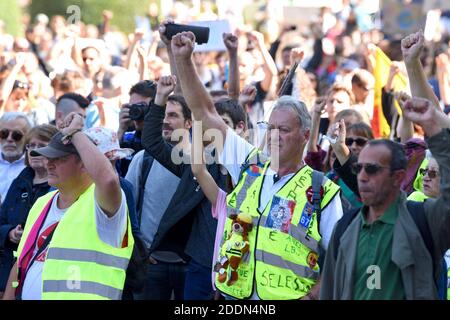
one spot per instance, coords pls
(11, 153)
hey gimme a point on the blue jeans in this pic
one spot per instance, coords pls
(198, 282)
(164, 281)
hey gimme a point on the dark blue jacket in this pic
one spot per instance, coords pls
(14, 210)
(127, 188)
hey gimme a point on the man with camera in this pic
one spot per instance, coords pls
(132, 120)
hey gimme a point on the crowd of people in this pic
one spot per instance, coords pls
(144, 169)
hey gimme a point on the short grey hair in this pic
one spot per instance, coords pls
(299, 107)
(11, 116)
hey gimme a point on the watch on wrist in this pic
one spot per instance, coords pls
(67, 138)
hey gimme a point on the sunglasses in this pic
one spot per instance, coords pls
(431, 173)
(360, 142)
(15, 135)
(21, 85)
(370, 168)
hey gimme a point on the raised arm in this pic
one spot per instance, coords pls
(8, 83)
(194, 92)
(152, 139)
(107, 187)
(231, 43)
(247, 96)
(137, 36)
(204, 178)
(269, 66)
(422, 112)
(107, 15)
(143, 69)
(168, 43)
(315, 122)
(443, 76)
(340, 149)
(405, 128)
(412, 47)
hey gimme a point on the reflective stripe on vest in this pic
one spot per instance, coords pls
(277, 261)
(286, 251)
(87, 256)
(87, 287)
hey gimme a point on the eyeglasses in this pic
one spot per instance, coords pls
(34, 146)
(360, 142)
(431, 173)
(15, 134)
(370, 168)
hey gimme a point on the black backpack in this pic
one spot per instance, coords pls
(417, 212)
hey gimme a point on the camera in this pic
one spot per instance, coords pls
(138, 110)
(201, 33)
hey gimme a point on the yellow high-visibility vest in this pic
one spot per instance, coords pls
(79, 265)
(284, 241)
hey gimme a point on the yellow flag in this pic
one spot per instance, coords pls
(380, 126)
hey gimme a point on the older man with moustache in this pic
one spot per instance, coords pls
(13, 128)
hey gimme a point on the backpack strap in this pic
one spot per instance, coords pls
(341, 226)
(147, 162)
(317, 180)
(417, 212)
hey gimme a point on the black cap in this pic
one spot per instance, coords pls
(55, 149)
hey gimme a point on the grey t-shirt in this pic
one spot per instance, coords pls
(160, 186)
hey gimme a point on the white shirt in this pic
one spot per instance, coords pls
(8, 172)
(110, 230)
(234, 153)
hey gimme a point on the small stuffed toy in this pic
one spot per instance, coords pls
(234, 248)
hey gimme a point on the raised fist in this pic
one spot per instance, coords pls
(412, 46)
(419, 110)
(297, 55)
(138, 35)
(166, 85)
(231, 42)
(183, 45)
(247, 95)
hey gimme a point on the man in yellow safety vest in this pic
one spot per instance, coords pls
(77, 241)
(290, 219)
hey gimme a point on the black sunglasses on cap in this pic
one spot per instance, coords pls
(16, 135)
(360, 142)
(369, 168)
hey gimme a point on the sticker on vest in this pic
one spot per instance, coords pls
(306, 216)
(254, 170)
(309, 194)
(312, 259)
(41, 240)
(280, 214)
